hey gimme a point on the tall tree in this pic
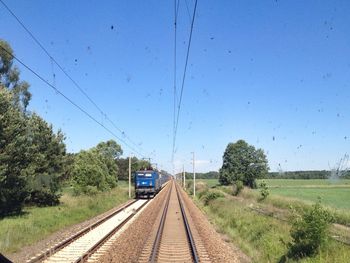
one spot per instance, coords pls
(46, 151)
(10, 77)
(242, 162)
(31, 154)
(96, 169)
(110, 149)
(13, 155)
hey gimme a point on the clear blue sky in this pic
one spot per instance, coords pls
(275, 73)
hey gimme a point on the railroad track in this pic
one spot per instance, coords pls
(173, 238)
(81, 246)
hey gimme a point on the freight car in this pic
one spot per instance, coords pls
(147, 183)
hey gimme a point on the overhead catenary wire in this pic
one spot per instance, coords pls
(176, 11)
(183, 79)
(188, 11)
(52, 59)
(70, 101)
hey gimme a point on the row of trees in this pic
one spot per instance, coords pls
(208, 175)
(34, 163)
(323, 174)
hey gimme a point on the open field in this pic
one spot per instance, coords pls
(306, 182)
(333, 193)
(256, 226)
(37, 223)
(332, 197)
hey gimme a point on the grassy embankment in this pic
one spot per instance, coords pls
(263, 237)
(37, 223)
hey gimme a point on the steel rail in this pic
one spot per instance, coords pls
(93, 249)
(156, 243)
(188, 229)
(71, 239)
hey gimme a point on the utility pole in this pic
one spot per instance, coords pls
(130, 176)
(194, 175)
(184, 176)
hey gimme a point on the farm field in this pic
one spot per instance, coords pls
(333, 193)
(306, 182)
(332, 197)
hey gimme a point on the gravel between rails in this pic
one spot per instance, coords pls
(128, 247)
(217, 249)
(30, 251)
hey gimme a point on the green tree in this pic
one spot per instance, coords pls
(46, 151)
(242, 162)
(110, 149)
(13, 155)
(31, 154)
(96, 169)
(136, 164)
(89, 172)
(10, 79)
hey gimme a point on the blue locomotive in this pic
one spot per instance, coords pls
(147, 183)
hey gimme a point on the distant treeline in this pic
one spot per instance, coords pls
(322, 174)
(317, 174)
(208, 175)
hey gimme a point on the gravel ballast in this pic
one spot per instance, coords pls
(128, 247)
(218, 250)
(30, 251)
(131, 243)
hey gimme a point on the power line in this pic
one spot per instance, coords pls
(176, 11)
(184, 76)
(66, 74)
(68, 99)
(188, 11)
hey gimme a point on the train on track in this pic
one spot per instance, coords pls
(148, 182)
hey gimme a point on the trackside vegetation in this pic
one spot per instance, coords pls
(32, 154)
(36, 223)
(269, 233)
(43, 187)
(270, 227)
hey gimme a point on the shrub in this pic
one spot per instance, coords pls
(202, 193)
(264, 190)
(189, 187)
(90, 170)
(237, 187)
(44, 198)
(309, 231)
(211, 195)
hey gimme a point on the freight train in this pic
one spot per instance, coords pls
(148, 183)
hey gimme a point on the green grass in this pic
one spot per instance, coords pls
(333, 193)
(208, 182)
(37, 223)
(331, 197)
(306, 183)
(262, 238)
